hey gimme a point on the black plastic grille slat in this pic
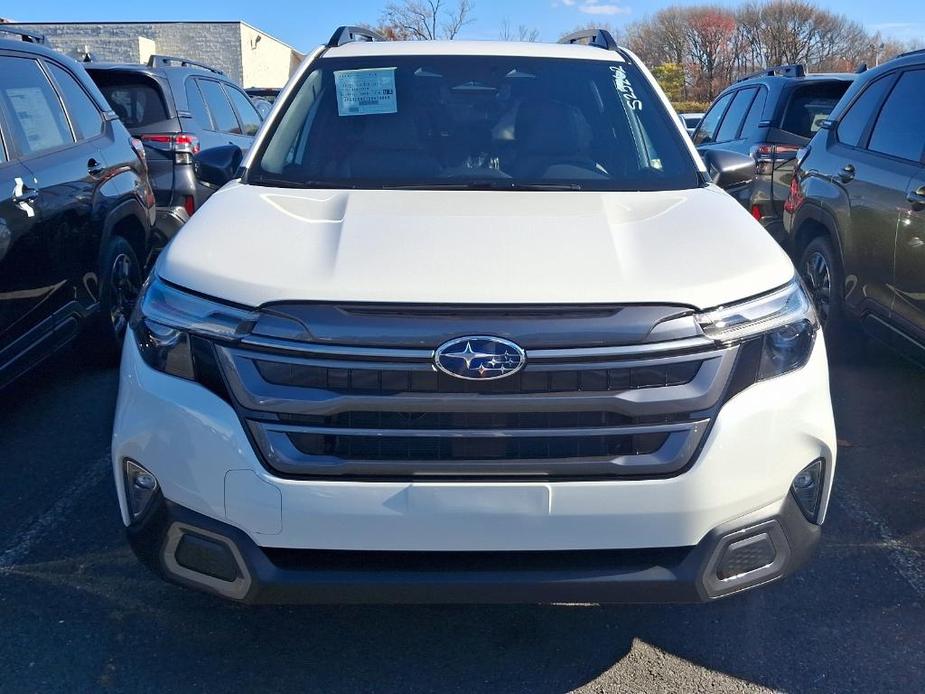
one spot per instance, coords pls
(389, 381)
(462, 420)
(413, 448)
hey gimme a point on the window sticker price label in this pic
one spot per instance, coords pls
(365, 92)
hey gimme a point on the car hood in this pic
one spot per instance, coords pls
(253, 245)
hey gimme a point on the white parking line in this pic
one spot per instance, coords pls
(906, 559)
(26, 539)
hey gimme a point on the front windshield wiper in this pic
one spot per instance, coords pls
(290, 183)
(500, 184)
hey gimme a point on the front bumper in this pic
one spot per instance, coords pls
(168, 221)
(621, 540)
(258, 575)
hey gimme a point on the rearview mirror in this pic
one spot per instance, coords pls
(218, 165)
(729, 169)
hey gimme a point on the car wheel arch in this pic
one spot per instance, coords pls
(812, 221)
(128, 220)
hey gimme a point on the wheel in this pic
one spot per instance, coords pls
(821, 270)
(120, 283)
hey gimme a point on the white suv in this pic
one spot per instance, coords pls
(473, 323)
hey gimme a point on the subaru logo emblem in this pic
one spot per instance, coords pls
(479, 358)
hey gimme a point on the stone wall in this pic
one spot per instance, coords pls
(218, 44)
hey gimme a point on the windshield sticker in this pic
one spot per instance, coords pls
(622, 84)
(365, 92)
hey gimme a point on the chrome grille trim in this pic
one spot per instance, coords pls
(687, 409)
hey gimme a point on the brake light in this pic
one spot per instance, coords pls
(796, 197)
(182, 144)
(189, 204)
(768, 156)
(768, 151)
(756, 212)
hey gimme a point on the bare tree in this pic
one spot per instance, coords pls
(522, 33)
(425, 20)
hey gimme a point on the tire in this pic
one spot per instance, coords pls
(821, 270)
(120, 283)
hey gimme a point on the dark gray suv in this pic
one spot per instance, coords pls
(177, 107)
(769, 116)
(856, 211)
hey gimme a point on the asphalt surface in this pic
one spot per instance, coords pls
(79, 614)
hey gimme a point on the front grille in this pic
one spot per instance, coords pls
(441, 448)
(392, 381)
(383, 412)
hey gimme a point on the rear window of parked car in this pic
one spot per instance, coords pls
(219, 107)
(250, 119)
(852, 125)
(137, 100)
(811, 104)
(707, 129)
(900, 127)
(85, 117)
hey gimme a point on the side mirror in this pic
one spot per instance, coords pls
(729, 169)
(218, 165)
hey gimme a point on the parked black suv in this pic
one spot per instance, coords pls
(769, 116)
(177, 106)
(76, 208)
(856, 213)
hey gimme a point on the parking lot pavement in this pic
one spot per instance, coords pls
(78, 613)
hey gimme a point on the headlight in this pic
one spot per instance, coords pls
(784, 320)
(167, 321)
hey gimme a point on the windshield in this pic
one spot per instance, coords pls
(475, 122)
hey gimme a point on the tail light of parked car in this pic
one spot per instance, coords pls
(796, 197)
(767, 156)
(183, 145)
(139, 149)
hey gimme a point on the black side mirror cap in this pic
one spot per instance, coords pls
(729, 169)
(218, 165)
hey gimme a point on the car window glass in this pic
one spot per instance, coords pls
(851, 126)
(86, 118)
(810, 105)
(38, 122)
(899, 130)
(484, 121)
(137, 100)
(755, 112)
(220, 108)
(734, 116)
(197, 106)
(710, 122)
(2, 152)
(250, 119)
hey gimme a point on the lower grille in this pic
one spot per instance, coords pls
(439, 448)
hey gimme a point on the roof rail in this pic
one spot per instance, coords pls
(782, 70)
(599, 38)
(348, 34)
(917, 51)
(167, 60)
(27, 36)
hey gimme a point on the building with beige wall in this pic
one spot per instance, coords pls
(249, 56)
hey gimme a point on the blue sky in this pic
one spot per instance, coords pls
(309, 22)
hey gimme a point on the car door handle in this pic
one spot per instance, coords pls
(846, 175)
(94, 168)
(917, 198)
(24, 193)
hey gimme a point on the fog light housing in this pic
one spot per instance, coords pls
(140, 488)
(745, 556)
(807, 488)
